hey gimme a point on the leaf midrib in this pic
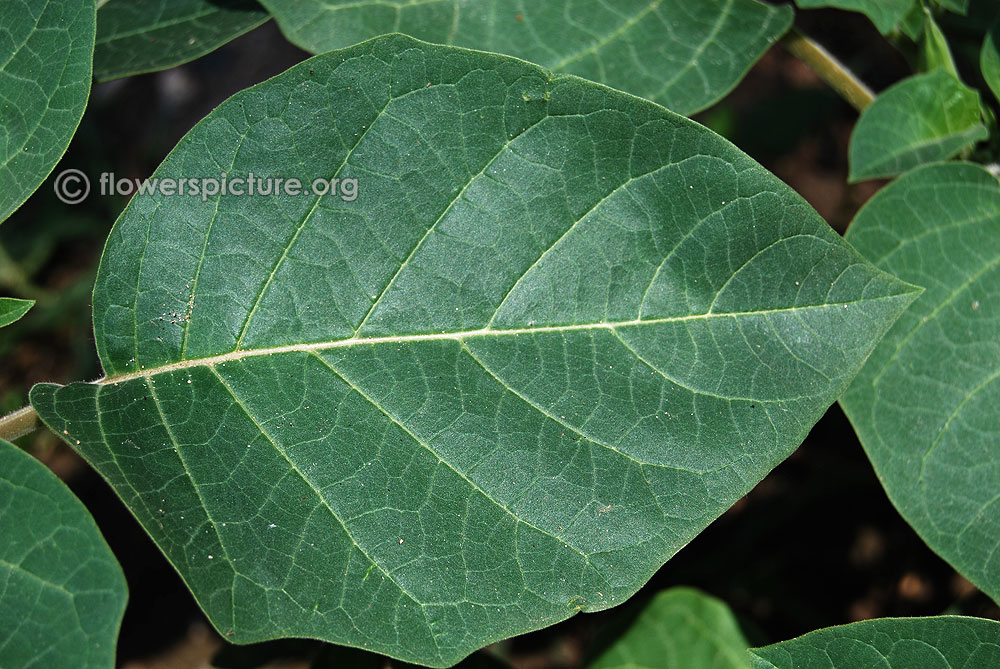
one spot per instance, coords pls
(460, 335)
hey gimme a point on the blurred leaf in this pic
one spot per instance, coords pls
(912, 24)
(63, 592)
(684, 55)
(136, 37)
(957, 6)
(922, 119)
(885, 14)
(942, 642)
(680, 628)
(934, 50)
(560, 330)
(12, 309)
(972, 25)
(47, 47)
(925, 405)
(990, 59)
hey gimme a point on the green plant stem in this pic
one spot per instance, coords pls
(21, 422)
(831, 70)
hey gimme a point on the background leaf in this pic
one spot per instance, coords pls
(684, 55)
(12, 309)
(885, 14)
(135, 37)
(942, 642)
(922, 119)
(63, 592)
(559, 331)
(958, 6)
(46, 49)
(990, 59)
(934, 50)
(924, 406)
(680, 628)
(912, 24)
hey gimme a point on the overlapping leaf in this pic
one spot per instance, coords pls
(46, 51)
(925, 404)
(12, 309)
(885, 14)
(685, 55)
(136, 37)
(922, 119)
(558, 332)
(62, 593)
(680, 628)
(943, 642)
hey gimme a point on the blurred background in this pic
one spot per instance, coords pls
(816, 544)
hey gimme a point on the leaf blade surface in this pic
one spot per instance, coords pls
(942, 642)
(680, 628)
(64, 593)
(683, 55)
(922, 404)
(47, 50)
(470, 396)
(136, 38)
(13, 309)
(924, 118)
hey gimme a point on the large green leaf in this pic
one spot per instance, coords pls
(922, 119)
(885, 14)
(680, 628)
(925, 404)
(62, 593)
(135, 37)
(685, 55)
(12, 309)
(558, 332)
(943, 642)
(47, 48)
